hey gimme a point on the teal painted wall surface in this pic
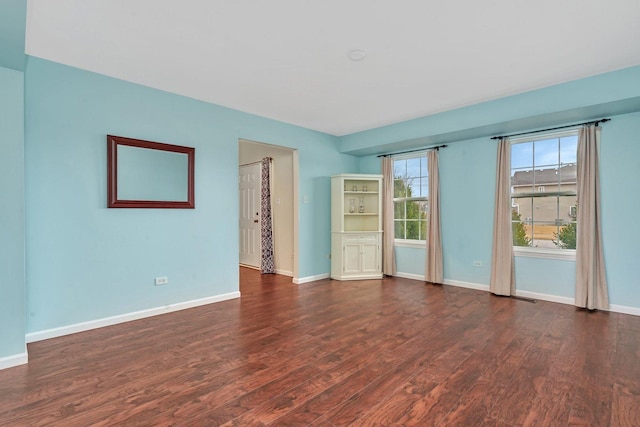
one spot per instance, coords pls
(12, 214)
(467, 176)
(13, 22)
(620, 186)
(88, 262)
(410, 260)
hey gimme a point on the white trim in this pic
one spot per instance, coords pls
(296, 213)
(284, 272)
(410, 276)
(14, 360)
(127, 317)
(545, 297)
(545, 253)
(468, 285)
(408, 243)
(301, 280)
(623, 309)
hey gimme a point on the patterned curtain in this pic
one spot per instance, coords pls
(267, 264)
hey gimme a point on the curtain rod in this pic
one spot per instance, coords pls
(436, 147)
(596, 122)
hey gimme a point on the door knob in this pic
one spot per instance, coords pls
(255, 220)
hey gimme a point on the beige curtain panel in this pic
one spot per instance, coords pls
(502, 265)
(388, 256)
(434, 264)
(591, 281)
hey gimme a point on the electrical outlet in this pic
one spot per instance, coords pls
(161, 280)
(477, 263)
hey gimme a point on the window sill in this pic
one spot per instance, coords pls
(410, 243)
(560, 254)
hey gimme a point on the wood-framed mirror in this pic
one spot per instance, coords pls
(146, 174)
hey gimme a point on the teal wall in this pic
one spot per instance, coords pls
(13, 21)
(467, 174)
(620, 184)
(87, 262)
(12, 222)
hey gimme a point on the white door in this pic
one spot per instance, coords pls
(250, 248)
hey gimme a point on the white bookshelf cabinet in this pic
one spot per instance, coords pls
(356, 227)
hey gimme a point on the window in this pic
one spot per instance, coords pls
(411, 191)
(543, 187)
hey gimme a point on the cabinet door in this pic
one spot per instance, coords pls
(351, 260)
(370, 258)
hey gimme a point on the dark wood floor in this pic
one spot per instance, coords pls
(381, 352)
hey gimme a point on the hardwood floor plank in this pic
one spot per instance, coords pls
(553, 404)
(626, 407)
(320, 404)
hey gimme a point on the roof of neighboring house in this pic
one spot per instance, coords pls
(564, 175)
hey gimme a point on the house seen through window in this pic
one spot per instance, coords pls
(543, 190)
(411, 197)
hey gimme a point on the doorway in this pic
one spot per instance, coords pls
(284, 201)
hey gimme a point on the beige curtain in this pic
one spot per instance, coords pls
(591, 281)
(502, 265)
(388, 256)
(434, 264)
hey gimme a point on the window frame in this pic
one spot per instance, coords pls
(537, 252)
(411, 243)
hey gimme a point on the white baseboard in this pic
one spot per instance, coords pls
(546, 297)
(301, 280)
(410, 276)
(14, 360)
(468, 285)
(623, 309)
(520, 293)
(127, 317)
(284, 272)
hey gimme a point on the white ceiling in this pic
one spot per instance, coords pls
(287, 59)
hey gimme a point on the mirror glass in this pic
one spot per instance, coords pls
(145, 174)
